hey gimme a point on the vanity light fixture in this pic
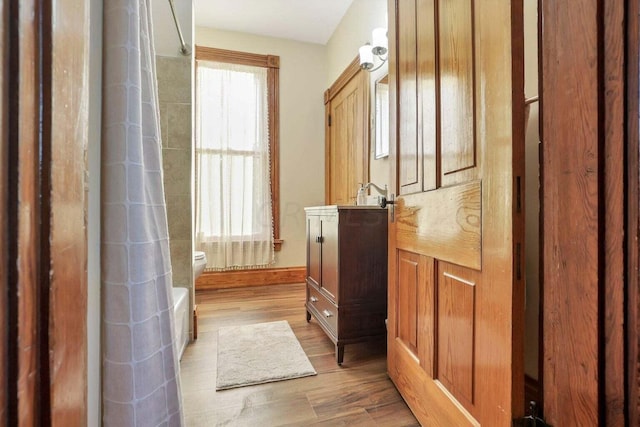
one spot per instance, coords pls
(378, 49)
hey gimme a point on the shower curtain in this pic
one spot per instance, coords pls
(140, 381)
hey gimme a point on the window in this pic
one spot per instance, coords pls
(237, 210)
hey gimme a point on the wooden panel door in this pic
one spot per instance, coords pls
(456, 229)
(347, 136)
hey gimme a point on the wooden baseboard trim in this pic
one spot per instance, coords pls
(244, 278)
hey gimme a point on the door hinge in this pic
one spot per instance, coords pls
(518, 195)
(531, 420)
(518, 261)
(329, 120)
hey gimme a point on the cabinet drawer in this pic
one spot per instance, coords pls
(323, 310)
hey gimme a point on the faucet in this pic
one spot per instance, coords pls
(383, 192)
(360, 198)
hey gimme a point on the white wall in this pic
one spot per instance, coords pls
(165, 35)
(353, 31)
(303, 71)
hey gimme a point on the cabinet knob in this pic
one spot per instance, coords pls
(313, 299)
(319, 239)
(327, 313)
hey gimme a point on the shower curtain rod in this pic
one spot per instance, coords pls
(183, 46)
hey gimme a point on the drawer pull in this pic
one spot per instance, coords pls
(313, 299)
(327, 313)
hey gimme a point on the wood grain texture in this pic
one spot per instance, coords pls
(614, 276)
(4, 211)
(66, 270)
(632, 113)
(439, 409)
(429, 93)
(412, 327)
(329, 254)
(328, 169)
(457, 88)
(314, 249)
(358, 393)
(456, 331)
(444, 224)
(500, 138)
(409, 148)
(349, 298)
(273, 93)
(235, 57)
(590, 366)
(242, 278)
(345, 77)
(474, 223)
(344, 134)
(407, 301)
(570, 223)
(348, 141)
(27, 210)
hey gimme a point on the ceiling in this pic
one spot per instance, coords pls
(310, 21)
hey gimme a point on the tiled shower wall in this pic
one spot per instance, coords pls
(174, 93)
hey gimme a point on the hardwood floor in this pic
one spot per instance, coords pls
(358, 393)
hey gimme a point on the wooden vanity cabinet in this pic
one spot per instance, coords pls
(347, 272)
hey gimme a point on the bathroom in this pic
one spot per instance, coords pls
(84, 96)
(179, 158)
(302, 132)
(301, 122)
(301, 183)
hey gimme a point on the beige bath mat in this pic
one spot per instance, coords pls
(260, 353)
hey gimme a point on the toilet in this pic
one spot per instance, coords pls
(199, 263)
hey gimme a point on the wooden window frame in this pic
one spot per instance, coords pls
(272, 64)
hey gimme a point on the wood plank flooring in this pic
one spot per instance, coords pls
(359, 393)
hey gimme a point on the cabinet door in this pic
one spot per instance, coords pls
(330, 265)
(347, 160)
(313, 249)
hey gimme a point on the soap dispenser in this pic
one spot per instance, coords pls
(361, 198)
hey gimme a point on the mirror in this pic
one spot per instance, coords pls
(381, 134)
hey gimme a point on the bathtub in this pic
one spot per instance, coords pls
(181, 315)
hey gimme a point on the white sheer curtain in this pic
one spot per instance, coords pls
(140, 381)
(233, 195)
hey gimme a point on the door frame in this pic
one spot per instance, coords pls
(43, 271)
(632, 364)
(590, 50)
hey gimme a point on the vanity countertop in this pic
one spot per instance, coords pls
(334, 208)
